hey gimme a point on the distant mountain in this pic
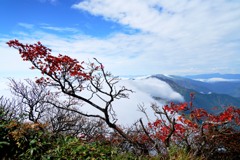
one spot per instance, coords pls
(221, 85)
(207, 95)
(217, 83)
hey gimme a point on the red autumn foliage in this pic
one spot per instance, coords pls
(199, 131)
(53, 66)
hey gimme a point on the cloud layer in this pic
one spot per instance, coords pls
(145, 89)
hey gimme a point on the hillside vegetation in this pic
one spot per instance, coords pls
(44, 119)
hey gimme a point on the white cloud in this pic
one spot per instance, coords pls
(213, 80)
(138, 54)
(175, 19)
(176, 36)
(26, 25)
(157, 88)
(59, 29)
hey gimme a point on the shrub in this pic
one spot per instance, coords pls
(73, 148)
(25, 140)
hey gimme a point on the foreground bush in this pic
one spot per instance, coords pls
(23, 140)
(32, 141)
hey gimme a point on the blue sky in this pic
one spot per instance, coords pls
(130, 37)
(56, 17)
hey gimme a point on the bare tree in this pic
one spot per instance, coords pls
(33, 96)
(38, 104)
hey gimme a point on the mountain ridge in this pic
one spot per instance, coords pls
(207, 95)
